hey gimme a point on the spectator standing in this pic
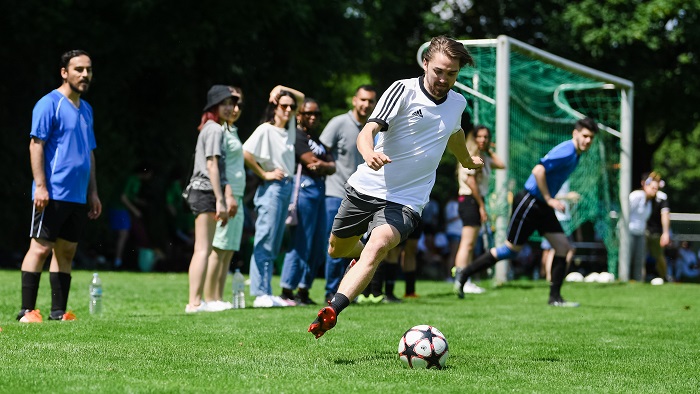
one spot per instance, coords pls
(640, 210)
(340, 136)
(64, 191)
(227, 238)
(659, 229)
(269, 152)
(473, 189)
(309, 238)
(208, 190)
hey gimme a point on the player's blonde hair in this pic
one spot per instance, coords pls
(450, 48)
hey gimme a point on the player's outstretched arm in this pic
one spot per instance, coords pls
(457, 144)
(365, 144)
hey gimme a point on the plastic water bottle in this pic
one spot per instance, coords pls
(96, 295)
(238, 290)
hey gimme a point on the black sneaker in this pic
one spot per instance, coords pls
(559, 302)
(391, 299)
(304, 300)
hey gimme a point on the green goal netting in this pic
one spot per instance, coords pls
(545, 100)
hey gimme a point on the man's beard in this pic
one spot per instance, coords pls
(76, 89)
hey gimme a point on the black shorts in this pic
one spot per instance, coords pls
(201, 201)
(359, 214)
(530, 214)
(468, 210)
(59, 219)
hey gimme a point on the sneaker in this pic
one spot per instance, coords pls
(304, 300)
(471, 288)
(559, 302)
(60, 315)
(391, 299)
(280, 301)
(325, 320)
(202, 307)
(217, 306)
(458, 289)
(263, 301)
(32, 316)
(375, 299)
(361, 299)
(411, 295)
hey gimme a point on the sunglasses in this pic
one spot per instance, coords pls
(285, 106)
(311, 113)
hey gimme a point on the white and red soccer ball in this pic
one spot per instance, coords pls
(423, 347)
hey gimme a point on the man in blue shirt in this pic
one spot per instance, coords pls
(64, 191)
(534, 209)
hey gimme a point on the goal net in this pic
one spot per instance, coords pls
(531, 99)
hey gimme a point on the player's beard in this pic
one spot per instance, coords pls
(438, 91)
(77, 88)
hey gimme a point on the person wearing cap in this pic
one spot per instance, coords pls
(208, 184)
(269, 153)
(227, 239)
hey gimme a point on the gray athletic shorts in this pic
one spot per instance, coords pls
(360, 213)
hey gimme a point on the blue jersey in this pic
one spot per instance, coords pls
(558, 164)
(69, 139)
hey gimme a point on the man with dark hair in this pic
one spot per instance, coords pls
(534, 209)
(64, 189)
(340, 136)
(413, 123)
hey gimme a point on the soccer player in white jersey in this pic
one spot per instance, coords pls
(413, 122)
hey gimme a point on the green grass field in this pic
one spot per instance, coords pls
(632, 338)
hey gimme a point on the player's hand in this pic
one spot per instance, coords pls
(665, 240)
(95, 206)
(274, 175)
(556, 204)
(41, 198)
(377, 160)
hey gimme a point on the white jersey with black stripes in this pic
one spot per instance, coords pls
(415, 131)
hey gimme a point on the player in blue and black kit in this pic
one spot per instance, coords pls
(64, 192)
(533, 209)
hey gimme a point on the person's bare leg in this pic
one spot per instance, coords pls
(383, 239)
(204, 227)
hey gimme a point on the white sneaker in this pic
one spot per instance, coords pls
(279, 301)
(263, 301)
(471, 288)
(189, 308)
(218, 306)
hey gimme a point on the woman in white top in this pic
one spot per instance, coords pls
(473, 188)
(269, 152)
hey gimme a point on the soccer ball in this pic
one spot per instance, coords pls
(423, 347)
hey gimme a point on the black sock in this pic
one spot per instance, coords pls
(410, 279)
(30, 289)
(60, 287)
(288, 293)
(391, 272)
(339, 302)
(558, 273)
(377, 281)
(482, 262)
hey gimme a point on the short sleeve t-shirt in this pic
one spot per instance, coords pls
(209, 144)
(235, 167)
(69, 138)
(306, 143)
(558, 164)
(272, 147)
(340, 135)
(416, 128)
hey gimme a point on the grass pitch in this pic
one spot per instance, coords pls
(624, 338)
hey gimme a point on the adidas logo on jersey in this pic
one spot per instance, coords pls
(417, 114)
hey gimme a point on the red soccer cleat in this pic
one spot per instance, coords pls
(325, 320)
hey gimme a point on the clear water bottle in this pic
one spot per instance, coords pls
(95, 295)
(238, 290)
